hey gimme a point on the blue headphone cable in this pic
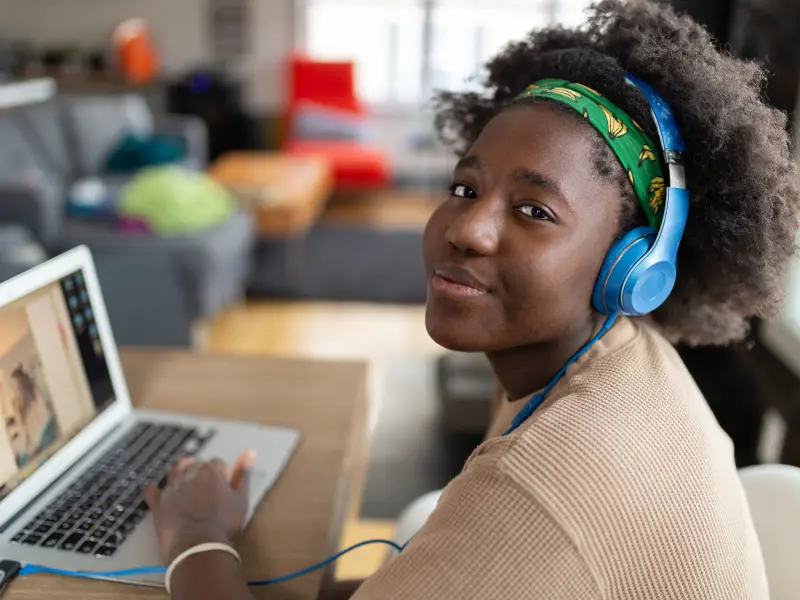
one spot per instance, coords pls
(33, 569)
(538, 398)
(532, 405)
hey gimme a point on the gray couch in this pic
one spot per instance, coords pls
(46, 147)
(141, 314)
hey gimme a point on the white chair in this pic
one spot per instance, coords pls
(413, 518)
(773, 492)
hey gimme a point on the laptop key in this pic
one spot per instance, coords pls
(105, 551)
(128, 526)
(18, 538)
(52, 540)
(71, 541)
(85, 525)
(32, 539)
(87, 547)
(109, 502)
(117, 537)
(135, 516)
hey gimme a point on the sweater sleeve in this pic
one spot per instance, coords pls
(486, 539)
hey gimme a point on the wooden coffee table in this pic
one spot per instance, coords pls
(286, 193)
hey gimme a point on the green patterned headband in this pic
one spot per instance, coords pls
(637, 153)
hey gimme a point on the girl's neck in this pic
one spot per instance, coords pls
(524, 370)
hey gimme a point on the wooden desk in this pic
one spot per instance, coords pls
(286, 193)
(300, 520)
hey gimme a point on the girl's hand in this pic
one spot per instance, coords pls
(202, 502)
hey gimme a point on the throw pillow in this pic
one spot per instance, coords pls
(316, 122)
(137, 151)
(174, 201)
(90, 198)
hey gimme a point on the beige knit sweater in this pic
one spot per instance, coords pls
(620, 486)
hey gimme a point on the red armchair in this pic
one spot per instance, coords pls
(330, 86)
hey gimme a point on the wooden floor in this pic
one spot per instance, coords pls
(322, 329)
(338, 330)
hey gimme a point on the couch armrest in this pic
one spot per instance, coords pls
(38, 208)
(192, 130)
(212, 266)
(145, 300)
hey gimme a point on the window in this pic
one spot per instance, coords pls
(404, 49)
(383, 38)
(465, 37)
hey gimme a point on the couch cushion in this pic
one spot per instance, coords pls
(312, 121)
(96, 198)
(33, 194)
(18, 158)
(98, 123)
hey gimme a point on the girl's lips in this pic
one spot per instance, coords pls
(448, 287)
(461, 275)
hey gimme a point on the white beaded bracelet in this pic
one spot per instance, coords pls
(199, 549)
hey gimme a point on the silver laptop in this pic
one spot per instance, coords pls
(74, 454)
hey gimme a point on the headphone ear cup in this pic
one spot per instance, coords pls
(620, 260)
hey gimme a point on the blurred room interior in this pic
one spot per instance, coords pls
(314, 118)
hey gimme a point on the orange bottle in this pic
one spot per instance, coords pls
(135, 52)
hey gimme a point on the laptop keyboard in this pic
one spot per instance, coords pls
(98, 512)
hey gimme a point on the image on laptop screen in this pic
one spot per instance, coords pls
(54, 378)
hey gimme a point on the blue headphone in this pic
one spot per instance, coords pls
(639, 270)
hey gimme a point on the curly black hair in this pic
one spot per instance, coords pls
(740, 236)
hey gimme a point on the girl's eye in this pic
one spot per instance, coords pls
(534, 212)
(462, 191)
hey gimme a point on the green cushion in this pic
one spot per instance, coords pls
(171, 200)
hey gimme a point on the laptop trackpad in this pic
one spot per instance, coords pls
(258, 487)
(143, 544)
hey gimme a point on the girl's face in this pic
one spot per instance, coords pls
(513, 254)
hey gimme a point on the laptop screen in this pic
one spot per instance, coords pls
(53, 376)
